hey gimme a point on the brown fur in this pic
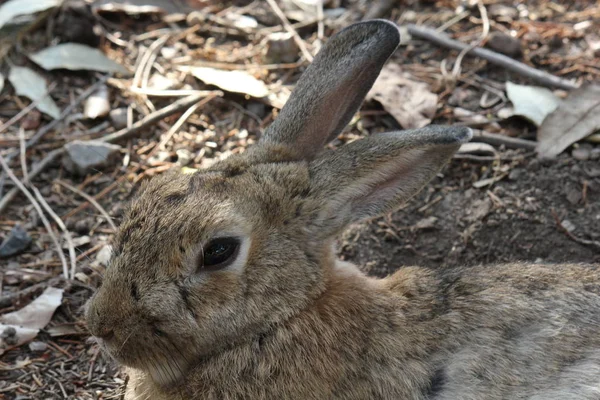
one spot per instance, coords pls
(291, 322)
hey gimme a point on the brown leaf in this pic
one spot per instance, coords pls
(577, 117)
(409, 102)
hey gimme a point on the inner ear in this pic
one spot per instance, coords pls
(332, 88)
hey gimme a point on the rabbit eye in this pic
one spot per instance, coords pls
(219, 253)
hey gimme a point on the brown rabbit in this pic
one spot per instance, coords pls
(224, 283)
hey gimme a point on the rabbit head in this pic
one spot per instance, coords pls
(203, 261)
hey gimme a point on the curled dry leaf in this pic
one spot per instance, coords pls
(532, 102)
(476, 148)
(230, 81)
(23, 325)
(15, 8)
(409, 102)
(75, 56)
(32, 85)
(578, 116)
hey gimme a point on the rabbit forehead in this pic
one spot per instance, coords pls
(177, 210)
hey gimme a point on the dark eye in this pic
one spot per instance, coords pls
(219, 253)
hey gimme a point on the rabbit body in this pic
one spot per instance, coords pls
(224, 284)
(420, 334)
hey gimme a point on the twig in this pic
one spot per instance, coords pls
(288, 27)
(540, 77)
(484, 34)
(39, 167)
(100, 195)
(320, 26)
(589, 243)
(141, 68)
(23, 154)
(91, 200)
(380, 9)
(177, 125)
(46, 206)
(169, 110)
(61, 225)
(35, 204)
(7, 300)
(48, 127)
(452, 21)
(506, 141)
(26, 110)
(66, 112)
(169, 93)
(123, 134)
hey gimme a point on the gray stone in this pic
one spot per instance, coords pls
(502, 11)
(38, 346)
(504, 44)
(86, 156)
(581, 154)
(16, 242)
(184, 157)
(281, 48)
(118, 118)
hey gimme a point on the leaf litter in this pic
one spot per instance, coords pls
(532, 102)
(75, 56)
(411, 103)
(577, 116)
(22, 326)
(32, 85)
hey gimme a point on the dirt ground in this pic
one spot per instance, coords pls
(481, 209)
(519, 218)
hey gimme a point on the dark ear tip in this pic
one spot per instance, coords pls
(386, 29)
(449, 134)
(462, 134)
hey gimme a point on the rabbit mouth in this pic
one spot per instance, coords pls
(164, 362)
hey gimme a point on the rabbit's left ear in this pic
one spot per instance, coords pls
(332, 88)
(375, 175)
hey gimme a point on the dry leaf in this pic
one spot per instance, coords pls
(231, 81)
(32, 85)
(477, 149)
(532, 102)
(577, 117)
(14, 8)
(23, 325)
(75, 56)
(409, 102)
(135, 7)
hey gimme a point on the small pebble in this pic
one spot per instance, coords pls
(281, 48)
(38, 346)
(515, 174)
(85, 156)
(15, 243)
(568, 225)
(118, 117)
(581, 154)
(184, 157)
(595, 153)
(504, 44)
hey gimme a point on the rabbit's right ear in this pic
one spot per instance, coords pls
(332, 88)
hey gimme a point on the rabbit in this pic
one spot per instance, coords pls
(224, 283)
